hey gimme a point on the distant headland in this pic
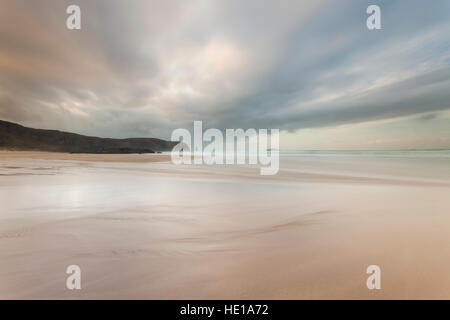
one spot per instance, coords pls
(16, 137)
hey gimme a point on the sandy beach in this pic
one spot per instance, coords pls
(38, 155)
(141, 227)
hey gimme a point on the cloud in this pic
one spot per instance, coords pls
(427, 116)
(144, 68)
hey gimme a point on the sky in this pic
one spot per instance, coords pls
(309, 68)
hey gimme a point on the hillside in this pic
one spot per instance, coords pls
(16, 137)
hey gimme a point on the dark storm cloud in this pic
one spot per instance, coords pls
(143, 68)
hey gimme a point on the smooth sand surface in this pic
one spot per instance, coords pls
(4, 154)
(155, 230)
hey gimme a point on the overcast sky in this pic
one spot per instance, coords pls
(310, 68)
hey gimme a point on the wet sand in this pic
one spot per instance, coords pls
(154, 230)
(84, 156)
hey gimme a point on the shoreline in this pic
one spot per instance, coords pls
(44, 155)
